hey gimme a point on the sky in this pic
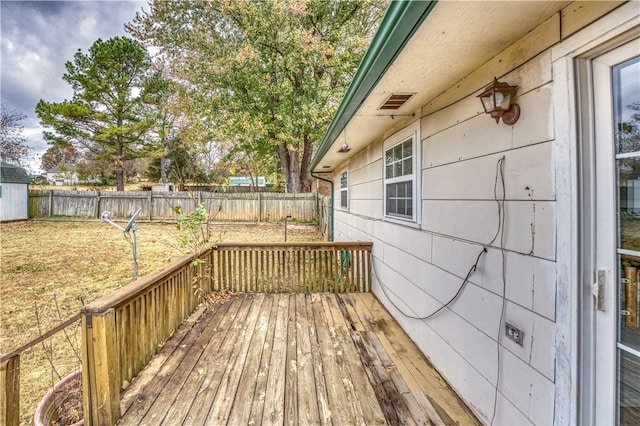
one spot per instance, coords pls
(37, 38)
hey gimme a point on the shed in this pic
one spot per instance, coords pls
(14, 193)
(508, 252)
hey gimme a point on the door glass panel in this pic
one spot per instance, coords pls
(629, 202)
(626, 106)
(626, 99)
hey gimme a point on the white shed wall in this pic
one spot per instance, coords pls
(14, 203)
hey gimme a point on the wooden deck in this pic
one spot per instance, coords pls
(315, 358)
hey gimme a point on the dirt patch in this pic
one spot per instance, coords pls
(49, 269)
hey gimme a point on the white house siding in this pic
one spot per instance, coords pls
(422, 268)
(14, 202)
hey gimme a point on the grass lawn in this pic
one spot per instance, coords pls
(48, 269)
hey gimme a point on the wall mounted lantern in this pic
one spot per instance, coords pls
(497, 100)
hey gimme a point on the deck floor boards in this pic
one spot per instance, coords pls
(317, 358)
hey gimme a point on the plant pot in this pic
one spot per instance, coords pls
(62, 403)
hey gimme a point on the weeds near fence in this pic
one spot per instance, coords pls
(194, 227)
(196, 234)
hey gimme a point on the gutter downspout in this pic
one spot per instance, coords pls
(330, 204)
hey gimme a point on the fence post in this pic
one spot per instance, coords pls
(150, 206)
(100, 368)
(50, 202)
(260, 208)
(10, 392)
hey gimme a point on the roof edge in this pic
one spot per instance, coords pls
(399, 23)
(10, 173)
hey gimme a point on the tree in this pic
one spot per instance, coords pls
(175, 160)
(265, 76)
(628, 132)
(178, 163)
(13, 148)
(58, 155)
(112, 109)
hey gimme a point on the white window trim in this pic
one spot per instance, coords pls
(412, 131)
(346, 189)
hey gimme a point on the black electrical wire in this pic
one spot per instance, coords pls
(474, 267)
(504, 281)
(432, 314)
(500, 201)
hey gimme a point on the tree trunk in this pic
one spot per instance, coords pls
(119, 179)
(296, 170)
(163, 169)
(284, 156)
(305, 176)
(119, 166)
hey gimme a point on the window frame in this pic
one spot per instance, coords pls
(345, 189)
(409, 133)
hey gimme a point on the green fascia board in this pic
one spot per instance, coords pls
(400, 21)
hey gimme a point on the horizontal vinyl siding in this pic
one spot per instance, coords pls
(423, 268)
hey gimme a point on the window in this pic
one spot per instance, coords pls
(344, 191)
(399, 180)
(401, 177)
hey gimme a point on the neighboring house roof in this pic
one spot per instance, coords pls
(13, 174)
(424, 48)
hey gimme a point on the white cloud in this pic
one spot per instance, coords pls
(38, 38)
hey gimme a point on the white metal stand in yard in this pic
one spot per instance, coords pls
(131, 226)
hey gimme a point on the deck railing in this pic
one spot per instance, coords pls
(10, 371)
(297, 267)
(122, 331)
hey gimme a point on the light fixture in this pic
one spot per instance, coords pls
(497, 100)
(344, 148)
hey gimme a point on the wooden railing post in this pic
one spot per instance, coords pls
(101, 368)
(10, 392)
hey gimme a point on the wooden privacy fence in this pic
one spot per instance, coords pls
(122, 331)
(248, 207)
(324, 215)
